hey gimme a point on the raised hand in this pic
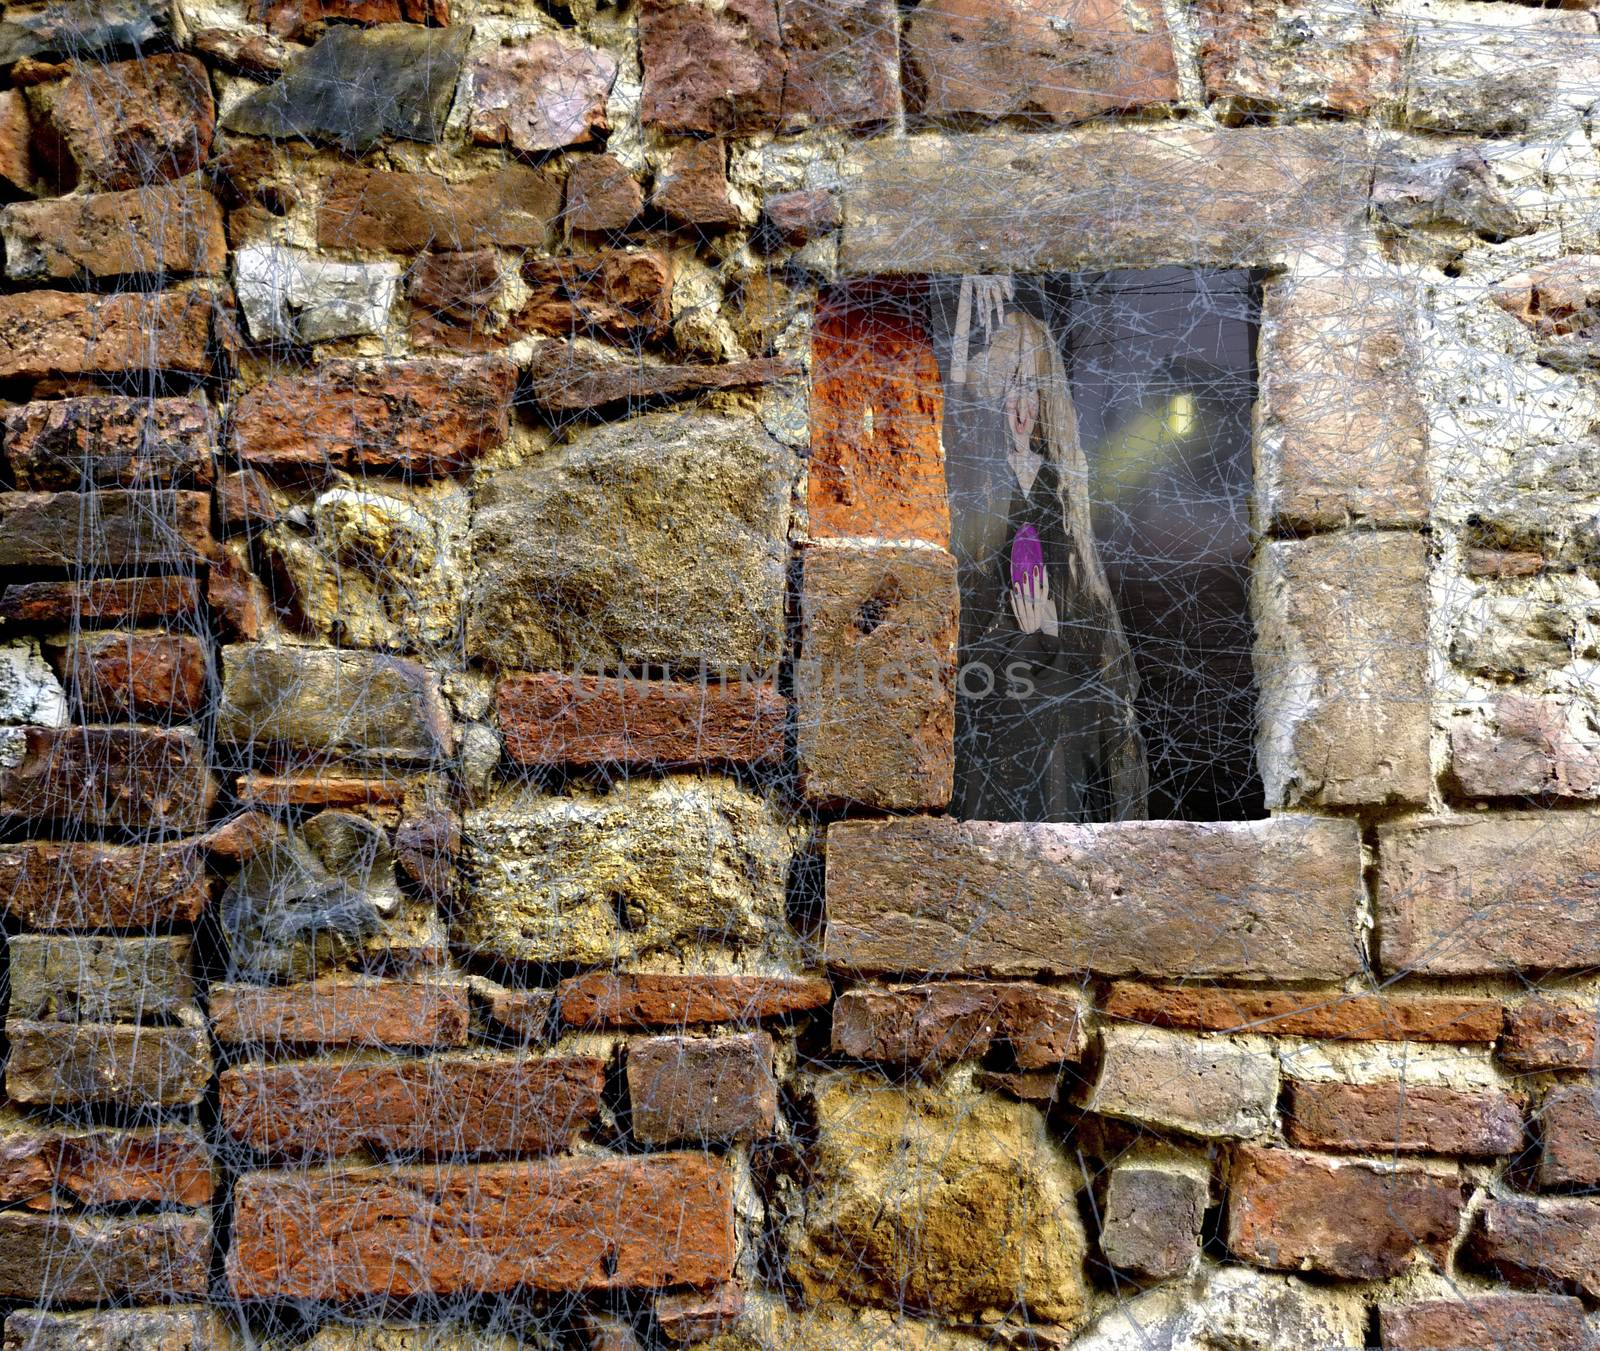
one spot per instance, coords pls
(1031, 604)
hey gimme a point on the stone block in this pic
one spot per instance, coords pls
(1569, 1130)
(50, 885)
(1503, 1322)
(711, 69)
(1205, 1086)
(1489, 893)
(572, 1225)
(112, 529)
(297, 296)
(118, 677)
(875, 682)
(512, 208)
(105, 600)
(64, 1065)
(1550, 1034)
(1342, 670)
(45, 1166)
(624, 294)
(1352, 1220)
(122, 1258)
(602, 195)
(1526, 746)
(189, 1328)
(97, 979)
(702, 1090)
(1151, 1216)
(541, 94)
(1268, 900)
(691, 187)
(564, 378)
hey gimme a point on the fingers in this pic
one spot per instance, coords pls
(1017, 607)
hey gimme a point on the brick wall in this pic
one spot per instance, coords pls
(380, 378)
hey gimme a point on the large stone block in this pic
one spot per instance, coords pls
(316, 701)
(1340, 428)
(650, 865)
(64, 1065)
(1211, 1087)
(1267, 900)
(918, 1199)
(1475, 894)
(1342, 666)
(875, 682)
(1055, 62)
(1124, 197)
(115, 1258)
(97, 979)
(660, 541)
(568, 1225)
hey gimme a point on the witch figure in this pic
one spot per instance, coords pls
(1045, 719)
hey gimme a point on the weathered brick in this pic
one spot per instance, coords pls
(380, 794)
(1054, 62)
(317, 701)
(1473, 894)
(691, 188)
(16, 140)
(625, 294)
(1546, 1242)
(875, 696)
(1151, 1216)
(702, 1090)
(1094, 199)
(961, 1020)
(1569, 1130)
(124, 124)
(341, 1011)
(513, 208)
(659, 999)
(1493, 1322)
(101, 886)
(121, 676)
(1354, 1220)
(302, 18)
(108, 441)
(1301, 1013)
(1342, 671)
(578, 1224)
(99, 979)
(113, 528)
(108, 600)
(72, 1260)
(711, 69)
(841, 63)
(565, 378)
(44, 333)
(64, 1064)
(877, 418)
(45, 1166)
(1210, 1087)
(796, 218)
(173, 1329)
(127, 778)
(421, 417)
(1402, 1118)
(549, 718)
(696, 1315)
(1340, 424)
(602, 194)
(172, 230)
(541, 94)
(1558, 302)
(1551, 1034)
(436, 1107)
(1269, 900)
(1272, 57)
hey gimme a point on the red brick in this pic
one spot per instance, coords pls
(650, 999)
(522, 1012)
(107, 600)
(170, 230)
(576, 1224)
(711, 69)
(512, 208)
(1300, 1013)
(1528, 746)
(113, 528)
(128, 778)
(245, 502)
(1357, 1221)
(240, 604)
(382, 795)
(341, 1011)
(1489, 893)
(122, 676)
(1546, 1242)
(692, 187)
(551, 719)
(293, 18)
(99, 886)
(1053, 62)
(122, 1258)
(45, 1166)
(1492, 1322)
(960, 1020)
(796, 218)
(44, 333)
(696, 1315)
(1402, 1118)
(1151, 1217)
(842, 63)
(421, 417)
(618, 293)
(437, 1107)
(124, 124)
(541, 94)
(875, 682)
(1264, 900)
(457, 286)
(601, 195)
(702, 1090)
(877, 419)
(1270, 56)
(1548, 1034)
(1569, 1126)
(67, 1064)
(108, 441)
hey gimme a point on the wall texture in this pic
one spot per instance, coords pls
(381, 378)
